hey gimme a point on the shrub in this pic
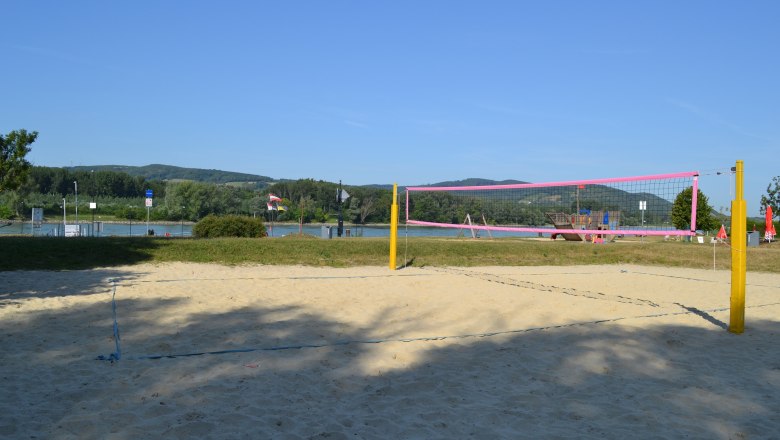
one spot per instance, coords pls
(229, 226)
(5, 212)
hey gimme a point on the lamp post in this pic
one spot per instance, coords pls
(92, 204)
(76, 185)
(182, 221)
(341, 218)
(64, 220)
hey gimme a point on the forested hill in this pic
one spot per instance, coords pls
(173, 173)
(169, 172)
(476, 181)
(471, 181)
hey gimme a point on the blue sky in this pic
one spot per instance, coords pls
(412, 92)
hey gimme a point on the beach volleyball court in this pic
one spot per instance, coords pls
(302, 352)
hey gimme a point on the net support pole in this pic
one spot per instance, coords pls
(394, 228)
(738, 254)
(694, 202)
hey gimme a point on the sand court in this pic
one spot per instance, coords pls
(300, 352)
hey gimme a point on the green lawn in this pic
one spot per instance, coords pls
(27, 253)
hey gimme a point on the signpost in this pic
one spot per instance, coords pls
(149, 196)
(93, 207)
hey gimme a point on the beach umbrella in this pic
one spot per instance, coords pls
(722, 233)
(770, 232)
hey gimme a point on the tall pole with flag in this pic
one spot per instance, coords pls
(341, 195)
(272, 206)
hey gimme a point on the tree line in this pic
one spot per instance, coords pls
(62, 181)
(121, 195)
(23, 186)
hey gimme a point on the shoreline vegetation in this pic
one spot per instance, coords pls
(52, 253)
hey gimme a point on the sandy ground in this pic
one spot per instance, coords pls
(430, 353)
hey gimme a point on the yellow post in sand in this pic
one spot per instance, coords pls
(738, 255)
(394, 227)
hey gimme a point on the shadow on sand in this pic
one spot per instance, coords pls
(56, 253)
(589, 381)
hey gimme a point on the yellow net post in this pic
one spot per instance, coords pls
(738, 255)
(394, 228)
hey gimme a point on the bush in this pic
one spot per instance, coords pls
(5, 212)
(229, 226)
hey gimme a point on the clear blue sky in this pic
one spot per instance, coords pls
(411, 92)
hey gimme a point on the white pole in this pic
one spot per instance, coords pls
(713, 254)
(76, 185)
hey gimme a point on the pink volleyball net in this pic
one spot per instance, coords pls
(577, 209)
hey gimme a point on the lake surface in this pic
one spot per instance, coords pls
(109, 229)
(138, 229)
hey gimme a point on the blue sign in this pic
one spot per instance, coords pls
(148, 194)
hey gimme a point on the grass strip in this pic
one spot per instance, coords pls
(48, 253)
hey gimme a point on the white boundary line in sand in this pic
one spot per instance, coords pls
(705, 314)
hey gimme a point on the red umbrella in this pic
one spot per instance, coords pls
(770, 227)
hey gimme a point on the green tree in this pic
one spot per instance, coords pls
(367, 207)
(772, 197)
(681, 211)
(13, 166)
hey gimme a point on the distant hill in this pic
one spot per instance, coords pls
(471, 181)
(475, 181)
(169, 172)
